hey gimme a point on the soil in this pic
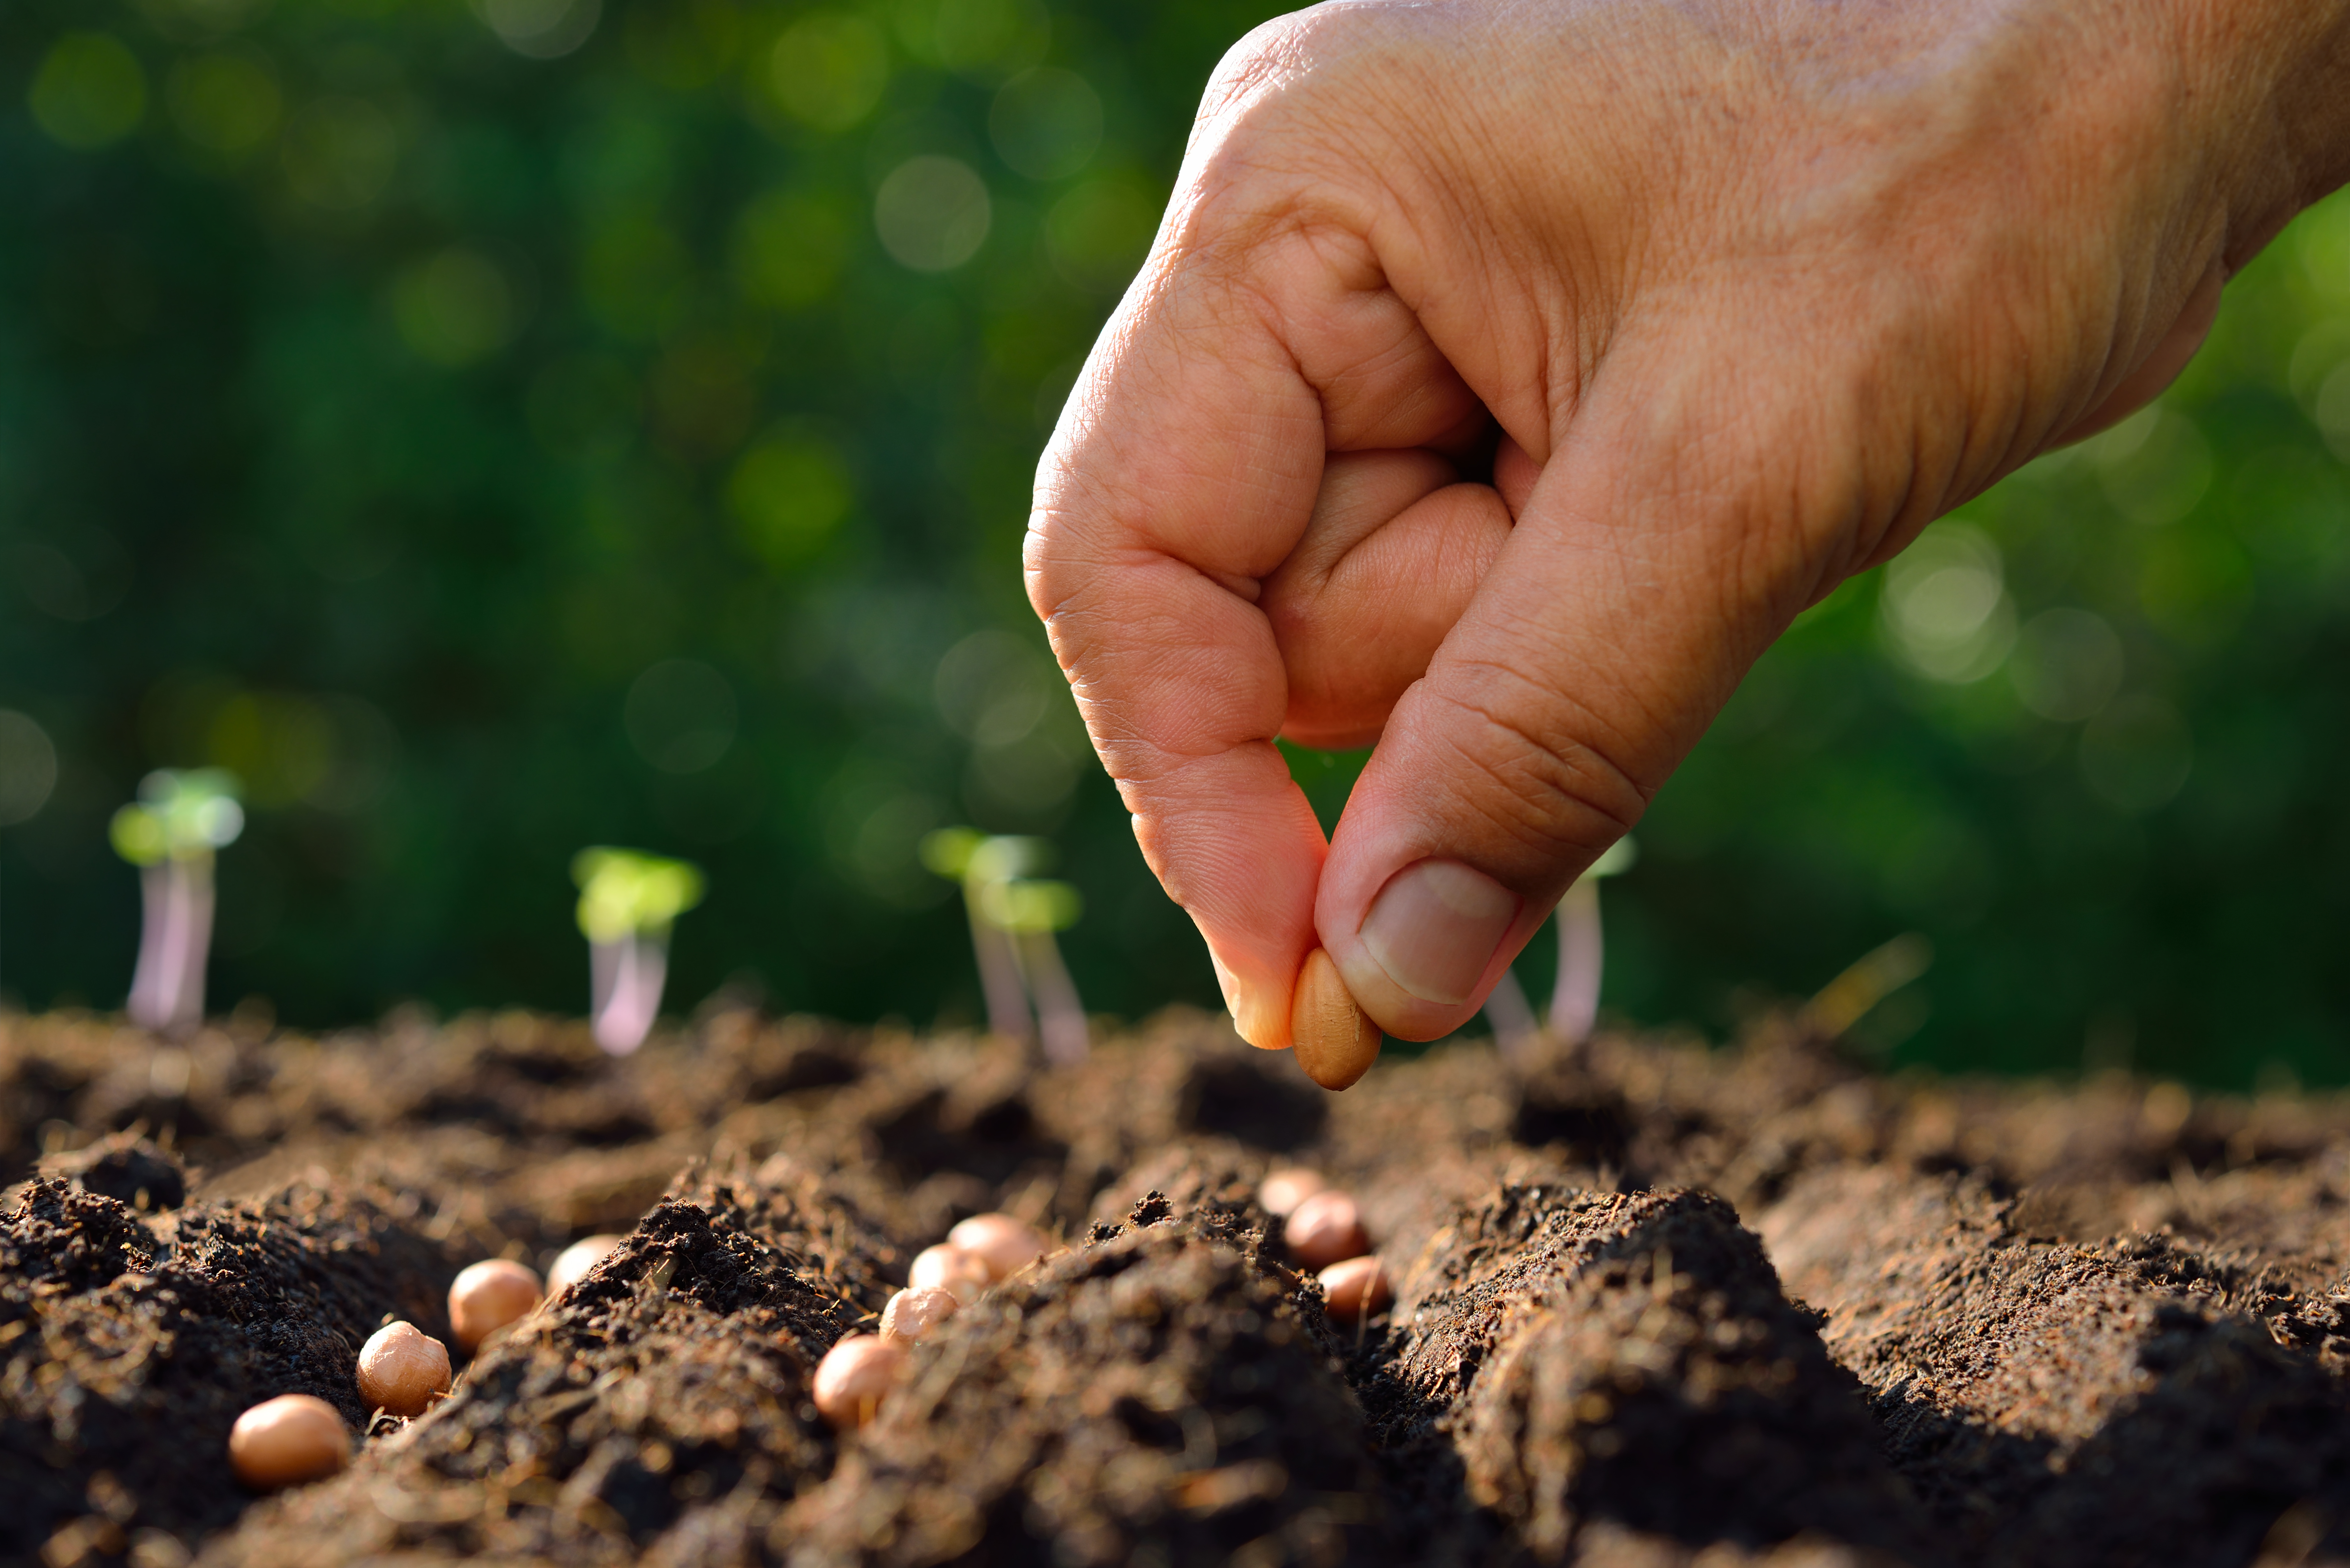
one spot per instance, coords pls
(1656, 1304)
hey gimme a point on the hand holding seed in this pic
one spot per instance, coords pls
(285, 1441)
(1335, 1041)
(488, 1295)
(1326, 1229)
(402, 1369)
(910, 1314)
(853, 1376)
(1005, 1245)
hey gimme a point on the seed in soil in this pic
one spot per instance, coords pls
(572, 1263)
(488, 1295)
(1326, 1229)
(910, 1314)
(1336, 1042)
(854, 1375)
(1284, 1191)
(949, 1268)
(401, 1369)
(1004, 1244)
(1356, 1288)
(287, 1440)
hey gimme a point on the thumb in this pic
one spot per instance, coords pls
(1652, 561)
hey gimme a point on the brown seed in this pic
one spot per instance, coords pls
(1004, 1244)
(853, 1376)
(1284, 1191)
(285, 1441)
(910, 1314)
(402, 1368)
(572, 1263)
(1326, 1229)
(1336, 1042)
(487, 1296)
(1356, 1288)
(949, 1268)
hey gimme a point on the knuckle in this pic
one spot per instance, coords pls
(1545, 773)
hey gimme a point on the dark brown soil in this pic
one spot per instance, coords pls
(1657, 1305)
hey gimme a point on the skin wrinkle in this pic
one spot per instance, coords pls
(1542, 829)
(1698, 253)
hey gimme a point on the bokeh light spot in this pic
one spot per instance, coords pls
(1046, 123)
(1099, 231)
(541, 30)
(829, 70)
(2331, 409)
(932, 213)
(2067, 664)
(454, 308)
(1945, 613)
(992, 688)
(790, 247)
(788, 494)
(988, 39)
(637, 276)
(340, 153)
(226, 103)
(28, 767)
(90, 91)
(2155, 466)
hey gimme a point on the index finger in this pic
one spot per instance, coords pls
(1184, 471)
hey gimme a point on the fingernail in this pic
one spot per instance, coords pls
(1434, 926)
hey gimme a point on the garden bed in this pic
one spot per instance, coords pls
(1656, 1305)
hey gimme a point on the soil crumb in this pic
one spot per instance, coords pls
(1657, 1305)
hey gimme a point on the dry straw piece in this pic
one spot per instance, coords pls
(402, 1369)
(1335, 1041)
(1356, 1288)
(949, 1268)
(1004, 1244)
(853, 1376)
(488, 1295)
(572, 1263)
(287, 1440)
(1326, 1229)
(910, 1314)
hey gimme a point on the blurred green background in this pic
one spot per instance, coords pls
(491, 429)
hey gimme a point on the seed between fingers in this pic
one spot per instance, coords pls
(1335, 1041)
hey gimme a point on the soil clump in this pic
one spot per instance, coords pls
(1656, 1305)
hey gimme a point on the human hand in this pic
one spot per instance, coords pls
(1746, 293)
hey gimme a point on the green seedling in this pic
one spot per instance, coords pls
(1013, 918)
(628, 901)
(1029, 912)
(171, 833)
(1574, 1001)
